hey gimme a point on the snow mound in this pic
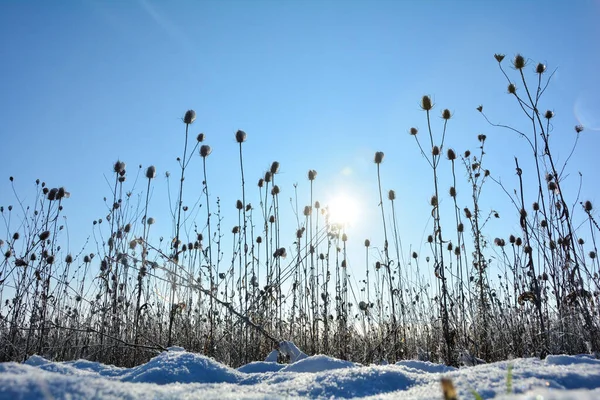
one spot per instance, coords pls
(36, 361)
(425, 366)
(181, 367)
(260, 367)
(317, 364)
(570, 360)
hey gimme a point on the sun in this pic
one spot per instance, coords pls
(342, 210)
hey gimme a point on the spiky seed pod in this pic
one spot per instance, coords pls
(587, 206)
(200, 138)
(86, 259)
(321, 256)
(367, 243)
(127, 228)
(50, 259)
(275, 190)
(426, 103)
(512, 89)
(540, 68)
(552, 245)
(248, 207)
(379, 157)
(467, 213)
(259, 239)
(519, 62)
(544, 223)
(552, 186)
(69, 259)
(452, 191)
(457, 251)
(268, 176)
(261, 182)
(451, 155)
(460, 227)
(592, 254)
(151, 221)
(549, 177)
(119, 166)
(392, 195)
(189, 117)
(317, 205)
(274, 167)
(363, 306)
(16, 236)
(51, 194)
(536, 206)
(580, 241)
(239, 205)
(307, 211)
(312, 174)
(433, 201)
(499, 242)
(122, 179)
(578, 128)
(549, 114)
(377, 265)
(499, 57)
(450, 246)
(240, 136)
(413, 131)
(132, 244)
(272, 219)
(527, 250)
(44, 235)
(430, 239)
(435, 151)
(235, 230)
(205, 150)
(446, 114)
(44, 191)
(480, 108)
(7, 254)
(467, 154)
(151, 172)
(415, 255)
(299, 233)
(486, 172)
(344, 237)
(481, 137)
(519, 241)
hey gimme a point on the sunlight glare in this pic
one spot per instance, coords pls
(343, 210)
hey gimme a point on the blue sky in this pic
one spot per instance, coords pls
(315, 84)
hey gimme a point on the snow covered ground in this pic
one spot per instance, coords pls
(177, 374)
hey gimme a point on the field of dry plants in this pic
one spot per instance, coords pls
(233, 293)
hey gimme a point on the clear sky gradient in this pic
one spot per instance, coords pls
(315, 84)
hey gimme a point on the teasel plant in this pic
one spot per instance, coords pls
(205, 151)
(438, 243)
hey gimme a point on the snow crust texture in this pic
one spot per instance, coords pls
(177, 374)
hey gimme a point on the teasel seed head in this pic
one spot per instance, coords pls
(344, 237)
(452, 191)
(151, 172)
(367, 243)
(307, 211)
(239, 205)
(86, 259)
(450, 246)
(580, 241)
(275, 190)
(451, 154)
(468, 214)
(519, 241)
(259, 239)
(200, 137)
(205, 150)
(481, 137)
(50, 259)
(480, 108)
(119, 167)
(435, 151)
(274, 167)
(544, 223)
(391, 195)
(549, 177)
(499, 57)
(151, 221)
(299, 233)
(467, 154)
(592, 254)
(69, 259)
(240, 136)
(512, 89)
(552, 186)
(433, 201)
(499, 242)
(235, 230)
(446, 114)
(426, 103)
(272, 219)
(540, 68)
(527, 250)
(460, 227)
(587, 206)
(317, 205)
(536, 206)
(512, 239)
(189, 117)
(268, 176)
(429, 238)
(549, 114)
(44, 235)
(261, 182)
(379, 157)
(415, 255)
(248, 207)
(457, 251)
(578, 128)
(312, 174)
(519, 62)
(413, 131)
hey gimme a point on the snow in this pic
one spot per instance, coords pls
(177, 374)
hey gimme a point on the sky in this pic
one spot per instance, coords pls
(317, 85)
